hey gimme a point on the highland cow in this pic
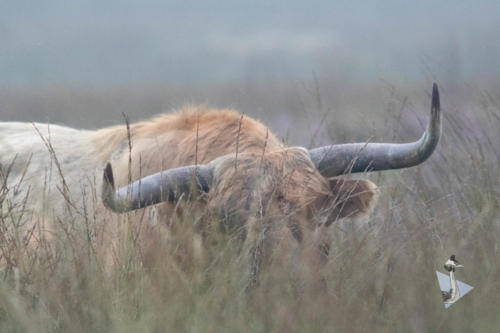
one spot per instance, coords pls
(230, 164)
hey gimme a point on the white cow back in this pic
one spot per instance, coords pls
(42, 155)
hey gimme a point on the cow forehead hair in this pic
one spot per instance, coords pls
(291, 159)
(288, 173)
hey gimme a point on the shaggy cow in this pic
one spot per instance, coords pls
(230, 164)
(250, 179)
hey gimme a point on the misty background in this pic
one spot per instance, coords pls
(122, 42)
(83, 63)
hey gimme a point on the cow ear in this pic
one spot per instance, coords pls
(351, 198)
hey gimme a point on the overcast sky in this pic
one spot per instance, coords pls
(126, 42)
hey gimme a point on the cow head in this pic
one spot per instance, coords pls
(293, 182)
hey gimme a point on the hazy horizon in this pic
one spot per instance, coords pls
(90, 43)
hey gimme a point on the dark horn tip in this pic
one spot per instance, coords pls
(108, 176)
(435, 98)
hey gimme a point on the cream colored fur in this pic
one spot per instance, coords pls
(257, 178)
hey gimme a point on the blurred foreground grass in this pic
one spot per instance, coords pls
(380, 276)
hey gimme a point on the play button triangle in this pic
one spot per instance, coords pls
(444, 285)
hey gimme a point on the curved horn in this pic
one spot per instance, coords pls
(163, 186)
(335, 160)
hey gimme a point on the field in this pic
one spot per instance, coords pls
(380, 276)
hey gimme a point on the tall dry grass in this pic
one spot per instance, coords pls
(379, 276)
